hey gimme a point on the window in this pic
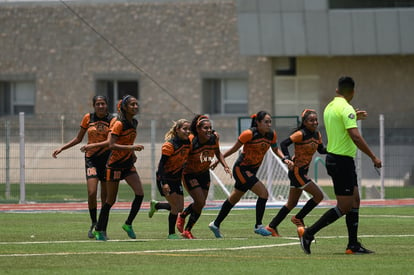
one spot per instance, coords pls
(285, 65)
(114, 90)
(16, 97)
(293, 94)
(225, 96)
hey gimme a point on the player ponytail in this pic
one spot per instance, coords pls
(121, 106)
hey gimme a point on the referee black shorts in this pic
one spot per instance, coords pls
(342, 171)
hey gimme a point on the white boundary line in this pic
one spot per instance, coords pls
(148, 251)
(168, 250)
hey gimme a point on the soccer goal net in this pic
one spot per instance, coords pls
(273, 173)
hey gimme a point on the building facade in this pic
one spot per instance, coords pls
(225, 58)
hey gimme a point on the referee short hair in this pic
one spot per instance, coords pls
(346, 84)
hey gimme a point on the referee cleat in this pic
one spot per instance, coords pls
(173, 237)
(261, 230)
(152, 209)
(188, 235)
(215, 230)
(357, 249)
(273, 231)
(90, 232)
(180, 223)
(305, 242)
(99, 236)
(128, 229)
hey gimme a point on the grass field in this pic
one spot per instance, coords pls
(56, 243)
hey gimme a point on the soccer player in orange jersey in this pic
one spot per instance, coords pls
(96, 125)
(196, 175)
(174, 154)
(307, 140)
(120, 165)
(255, 141)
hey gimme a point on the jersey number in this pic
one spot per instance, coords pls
(91, 171)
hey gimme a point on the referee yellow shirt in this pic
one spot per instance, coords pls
(339, 116)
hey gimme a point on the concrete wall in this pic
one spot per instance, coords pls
(173, 43)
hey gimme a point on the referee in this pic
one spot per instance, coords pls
(343, 140)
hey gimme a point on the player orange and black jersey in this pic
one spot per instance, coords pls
(306, 144)
(126, 133)
(201, 155)
(174, 155)
(255, 146)
(97, 129)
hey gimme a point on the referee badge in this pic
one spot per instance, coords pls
(351, 116)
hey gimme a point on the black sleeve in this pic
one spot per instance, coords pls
(284, 147)
(160, 172)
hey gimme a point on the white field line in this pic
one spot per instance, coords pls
(167, 250)
(148, 251)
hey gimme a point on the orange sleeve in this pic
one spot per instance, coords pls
(246, 136)
(167, 149)
(85, 121)
(117, 128)
(296, 137)
(112, 122)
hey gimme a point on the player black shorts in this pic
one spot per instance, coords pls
(342, 171)
(245, 178)
(117, 174)
(299, 177)
(175, 186)
(192, 181)
(95, 167)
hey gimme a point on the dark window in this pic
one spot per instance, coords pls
(225, 96)
(114, 90)
(16, 97)
(286, 66)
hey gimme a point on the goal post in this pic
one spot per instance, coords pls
(273, 172)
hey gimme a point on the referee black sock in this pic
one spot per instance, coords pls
(329, 217)
(352, 220)
(260, 209)
(281, 215)
(310, 204)
(224, 211)
(136, 205)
